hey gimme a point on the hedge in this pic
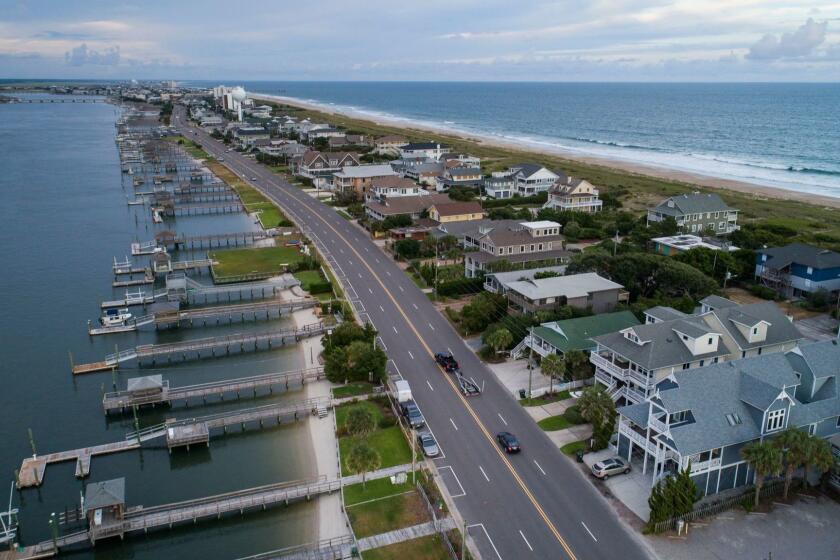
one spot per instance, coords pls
(319, 287)
(459, 287)
(516, 200)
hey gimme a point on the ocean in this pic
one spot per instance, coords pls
(63, 219)
(777, 135)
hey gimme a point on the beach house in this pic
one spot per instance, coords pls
(583, 291)
(358, 178)
(630, 362)
(519, 244)
(559, 337)
(696, 213)
(797, 270)
(573, 195)
(700, 419)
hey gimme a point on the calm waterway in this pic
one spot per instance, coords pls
(63, 218)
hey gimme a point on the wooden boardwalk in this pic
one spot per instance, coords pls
(339, 548)
(122, 400)
(180, 241)
(191, 349)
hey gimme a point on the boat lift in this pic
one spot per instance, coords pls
(8, 521)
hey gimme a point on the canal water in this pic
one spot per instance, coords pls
(63, 218)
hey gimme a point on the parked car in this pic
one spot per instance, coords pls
(447, 361)
(428, 444)
(253, 178)
(412, 414)
(508, 442)
(608, 467)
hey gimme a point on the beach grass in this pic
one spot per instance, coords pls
(814, 222)
(352, 390)
(388, 514)
(260, 260)
(430, 547)
(374, 490)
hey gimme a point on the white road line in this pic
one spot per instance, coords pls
(377, 260)
(538, 466)
(588, 531)
(430, 385)
(371, 291)
(382, 309)
(484, 473)
(388, 273)
(502, 419)
(453, 424)
(366, 249)
(461, 486)
(431, 327)
(496, 550)
(450, 349)
(415, 306)
(360, 274)
(395, 329)
(341, 251)
(526, 540)
(410, 354)
(401, 289)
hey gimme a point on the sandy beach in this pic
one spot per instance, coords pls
(757, 191)
(329, 517)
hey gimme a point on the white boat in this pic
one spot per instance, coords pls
(115, 317)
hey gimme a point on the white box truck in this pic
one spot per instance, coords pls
(403, 390)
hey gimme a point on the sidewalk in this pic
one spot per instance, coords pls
(405, 534)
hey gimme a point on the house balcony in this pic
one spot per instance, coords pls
(633, 395)
(705, 465)
(605, 379)
(637, 438)
(588, 204)
(615, 370)
(657, 425)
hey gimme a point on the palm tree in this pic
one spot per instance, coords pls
(817, 455)
(766, 459)
(575, 359)
(597, 408)
(362, 459)
(794, 445)
(360, 421)
(553, 366)
(499, 339)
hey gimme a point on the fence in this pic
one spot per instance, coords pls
(714, 508)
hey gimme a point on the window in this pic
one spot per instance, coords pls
(686, 366)
(812, 429)
(721, 225)
(711, 340)
(733, 419)
(810, 270)
(775, 420)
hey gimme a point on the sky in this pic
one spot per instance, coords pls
(430, 40)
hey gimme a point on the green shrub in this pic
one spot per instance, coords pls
(572, 414)
(762, 291)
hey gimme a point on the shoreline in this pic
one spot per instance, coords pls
(688, 178)
(329, 518)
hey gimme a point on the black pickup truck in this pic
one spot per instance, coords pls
(447, 361)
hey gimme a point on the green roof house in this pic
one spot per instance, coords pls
(559, 337)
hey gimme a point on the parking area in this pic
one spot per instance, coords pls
(632, 489)
(809, 528)
(819, 327)
(513, 374)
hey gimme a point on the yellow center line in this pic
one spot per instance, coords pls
(469, 408)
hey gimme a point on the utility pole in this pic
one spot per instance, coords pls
(413, 456)
(530, 361)
(464, 541)
(436, 270)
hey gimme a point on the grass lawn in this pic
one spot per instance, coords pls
(424, 548)
(190, 147)
(375, 489)
(545, 399)
(308, 277)
(236, 262)
(388, 514)
(344, 215)
(352, 389)
(254, 201)
(342, 411)
(553, 423)
(389, 443)
(574, 447)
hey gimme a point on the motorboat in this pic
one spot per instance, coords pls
(115, 317)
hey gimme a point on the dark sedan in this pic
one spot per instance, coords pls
(508, 442)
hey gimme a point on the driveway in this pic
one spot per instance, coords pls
(820, 327)
(632, 489)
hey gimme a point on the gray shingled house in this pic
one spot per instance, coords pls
(696, 213)
(703, 417)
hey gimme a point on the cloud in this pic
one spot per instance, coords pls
(81, 55)
(801, 42)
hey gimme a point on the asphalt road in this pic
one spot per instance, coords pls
(536, 504)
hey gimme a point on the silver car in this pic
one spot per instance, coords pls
(428, 444)
(608, 467)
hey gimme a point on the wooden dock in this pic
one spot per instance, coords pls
(126, 400)
(180, 241)
(206, 208)
(32, 468)
(192, 349)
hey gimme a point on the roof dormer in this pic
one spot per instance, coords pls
(631, 335)
(697, 340)
(752, 329)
